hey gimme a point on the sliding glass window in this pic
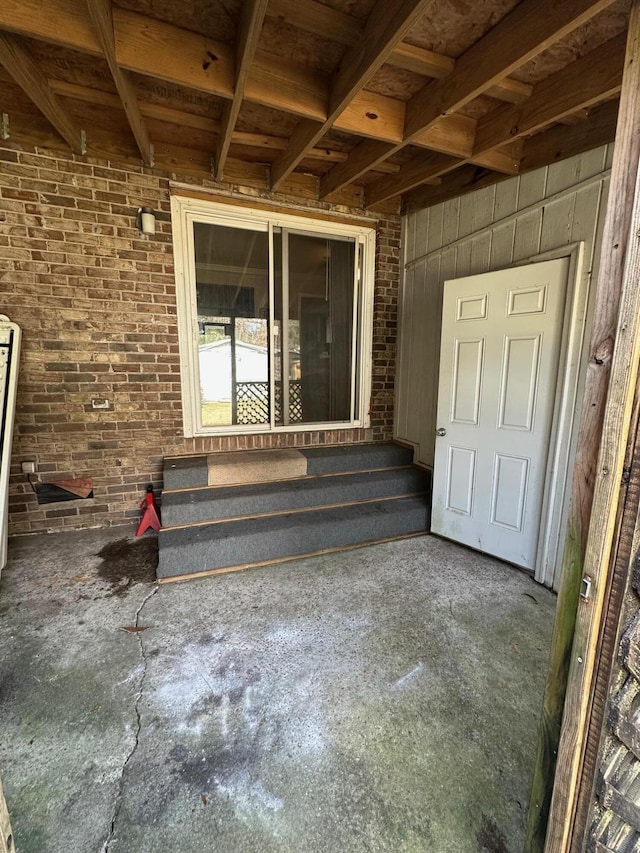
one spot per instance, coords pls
(274, 316)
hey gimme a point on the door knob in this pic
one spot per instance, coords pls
(441, 431)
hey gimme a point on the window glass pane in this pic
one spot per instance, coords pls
(232, 295)
(320, 328)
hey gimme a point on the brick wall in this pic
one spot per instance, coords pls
(96, 303)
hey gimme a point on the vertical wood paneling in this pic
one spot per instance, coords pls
(421, 233)
(434, 233)
(450, 219)
(481, 254)
(446, 238)
(526, 242)
(502, 242)
(532, 188)
(557, 223)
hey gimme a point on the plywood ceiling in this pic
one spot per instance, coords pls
(357, 101)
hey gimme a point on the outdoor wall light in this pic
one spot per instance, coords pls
(146, 220)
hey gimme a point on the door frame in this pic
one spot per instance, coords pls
(563, 436)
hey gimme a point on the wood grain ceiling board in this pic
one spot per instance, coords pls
(216, 18)
(605, 26)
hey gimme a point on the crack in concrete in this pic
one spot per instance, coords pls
(118, 802)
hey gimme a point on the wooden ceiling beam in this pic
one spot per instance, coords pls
(251, 20)
(518, 37)
(594, 78)
(541, 150)
(21, 66)
(370, 155)
(101, 14)
(169, 115)
(384, 29)
(167, 53)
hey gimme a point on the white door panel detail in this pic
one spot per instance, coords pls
(508, 491)
(472, 308)
(460, 478)
(532, 300)
(467, 376)
(519, 382)
(496, 395)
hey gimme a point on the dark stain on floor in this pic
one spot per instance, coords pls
(490, 838)
(126, 563)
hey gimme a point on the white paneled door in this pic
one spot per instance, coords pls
(499, 358)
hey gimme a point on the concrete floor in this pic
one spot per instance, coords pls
(383, 699)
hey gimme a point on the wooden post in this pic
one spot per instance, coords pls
(604, 424)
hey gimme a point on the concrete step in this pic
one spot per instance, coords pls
(184, 472)
(242, 542)
(213, 503)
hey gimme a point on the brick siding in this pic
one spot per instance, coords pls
(96, 303)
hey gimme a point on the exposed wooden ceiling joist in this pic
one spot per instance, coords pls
(181, 118)
(165, 52)
(251, 19)
(594, 78)
(101, 14)
(540, 150)
(275, 97)
(385, 27)
(19, 63)
(518, 37)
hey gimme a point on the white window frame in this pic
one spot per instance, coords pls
(184, 212)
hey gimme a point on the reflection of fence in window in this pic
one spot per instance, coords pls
(252, 402)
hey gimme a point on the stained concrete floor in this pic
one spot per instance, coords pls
(383, 699)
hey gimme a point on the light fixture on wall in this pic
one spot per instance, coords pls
(146, 220)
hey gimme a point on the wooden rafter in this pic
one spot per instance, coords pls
(517, 38)
(589, 80)
(180, 118)
(19, 63)
(540, 150)
(247, 73)
(385, 28)
(251, 20)
(167, 53)
(101, 14)
(594, 78)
